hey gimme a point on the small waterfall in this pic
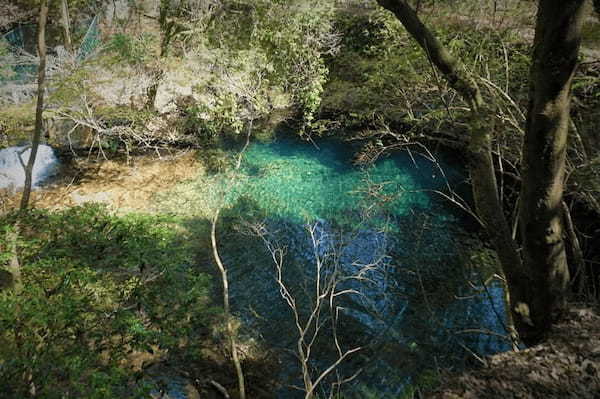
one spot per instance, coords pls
(12, 173)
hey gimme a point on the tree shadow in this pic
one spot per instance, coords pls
(422, 276)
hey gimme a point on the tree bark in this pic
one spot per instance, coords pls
(555, 52)
(41, 44)
(14, 266)
(66, 23)
(451, 68)
(574, 249)
(537, 283)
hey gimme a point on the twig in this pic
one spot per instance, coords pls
(219, 388)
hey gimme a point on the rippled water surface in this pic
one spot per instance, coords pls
(391, 242)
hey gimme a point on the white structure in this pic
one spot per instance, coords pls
(12, 172)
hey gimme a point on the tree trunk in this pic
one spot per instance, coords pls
(167, 29)
(480, 165)
(556, 47)
(226, 308)
(575, 251)
(14, 266)
(37, 134)
(66, 23)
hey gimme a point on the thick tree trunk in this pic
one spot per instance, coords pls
(41, 44)
(489, 209)
(556, 47)
(537, 290)
(481, 168)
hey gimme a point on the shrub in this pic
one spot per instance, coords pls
(96, 289)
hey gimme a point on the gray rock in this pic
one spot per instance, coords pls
(101, 197)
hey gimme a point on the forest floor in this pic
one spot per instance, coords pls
(566, 365)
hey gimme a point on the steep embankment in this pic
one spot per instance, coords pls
(567, 365)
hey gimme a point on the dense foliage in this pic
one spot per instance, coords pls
(97, 289)
(201, 70)
(381, 72)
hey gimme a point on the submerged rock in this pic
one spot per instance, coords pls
(12, 171)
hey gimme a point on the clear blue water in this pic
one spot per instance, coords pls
(400, 248)
(300, 181)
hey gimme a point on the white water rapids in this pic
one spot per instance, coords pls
(12, 171)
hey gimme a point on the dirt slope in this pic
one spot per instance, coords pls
(567, 365)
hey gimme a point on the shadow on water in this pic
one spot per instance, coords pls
(406, 317)
(399, 251)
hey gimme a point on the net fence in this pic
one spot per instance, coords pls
(90, 41)
(18, 62)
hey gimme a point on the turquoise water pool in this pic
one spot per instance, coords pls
(304, 182)
(401, 252)
(298, 180)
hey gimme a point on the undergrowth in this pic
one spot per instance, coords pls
(98, 290)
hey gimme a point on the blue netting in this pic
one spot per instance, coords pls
(90, 41)
(16, 41)
(15, 37)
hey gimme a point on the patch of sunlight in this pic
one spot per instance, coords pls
(298, 181)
